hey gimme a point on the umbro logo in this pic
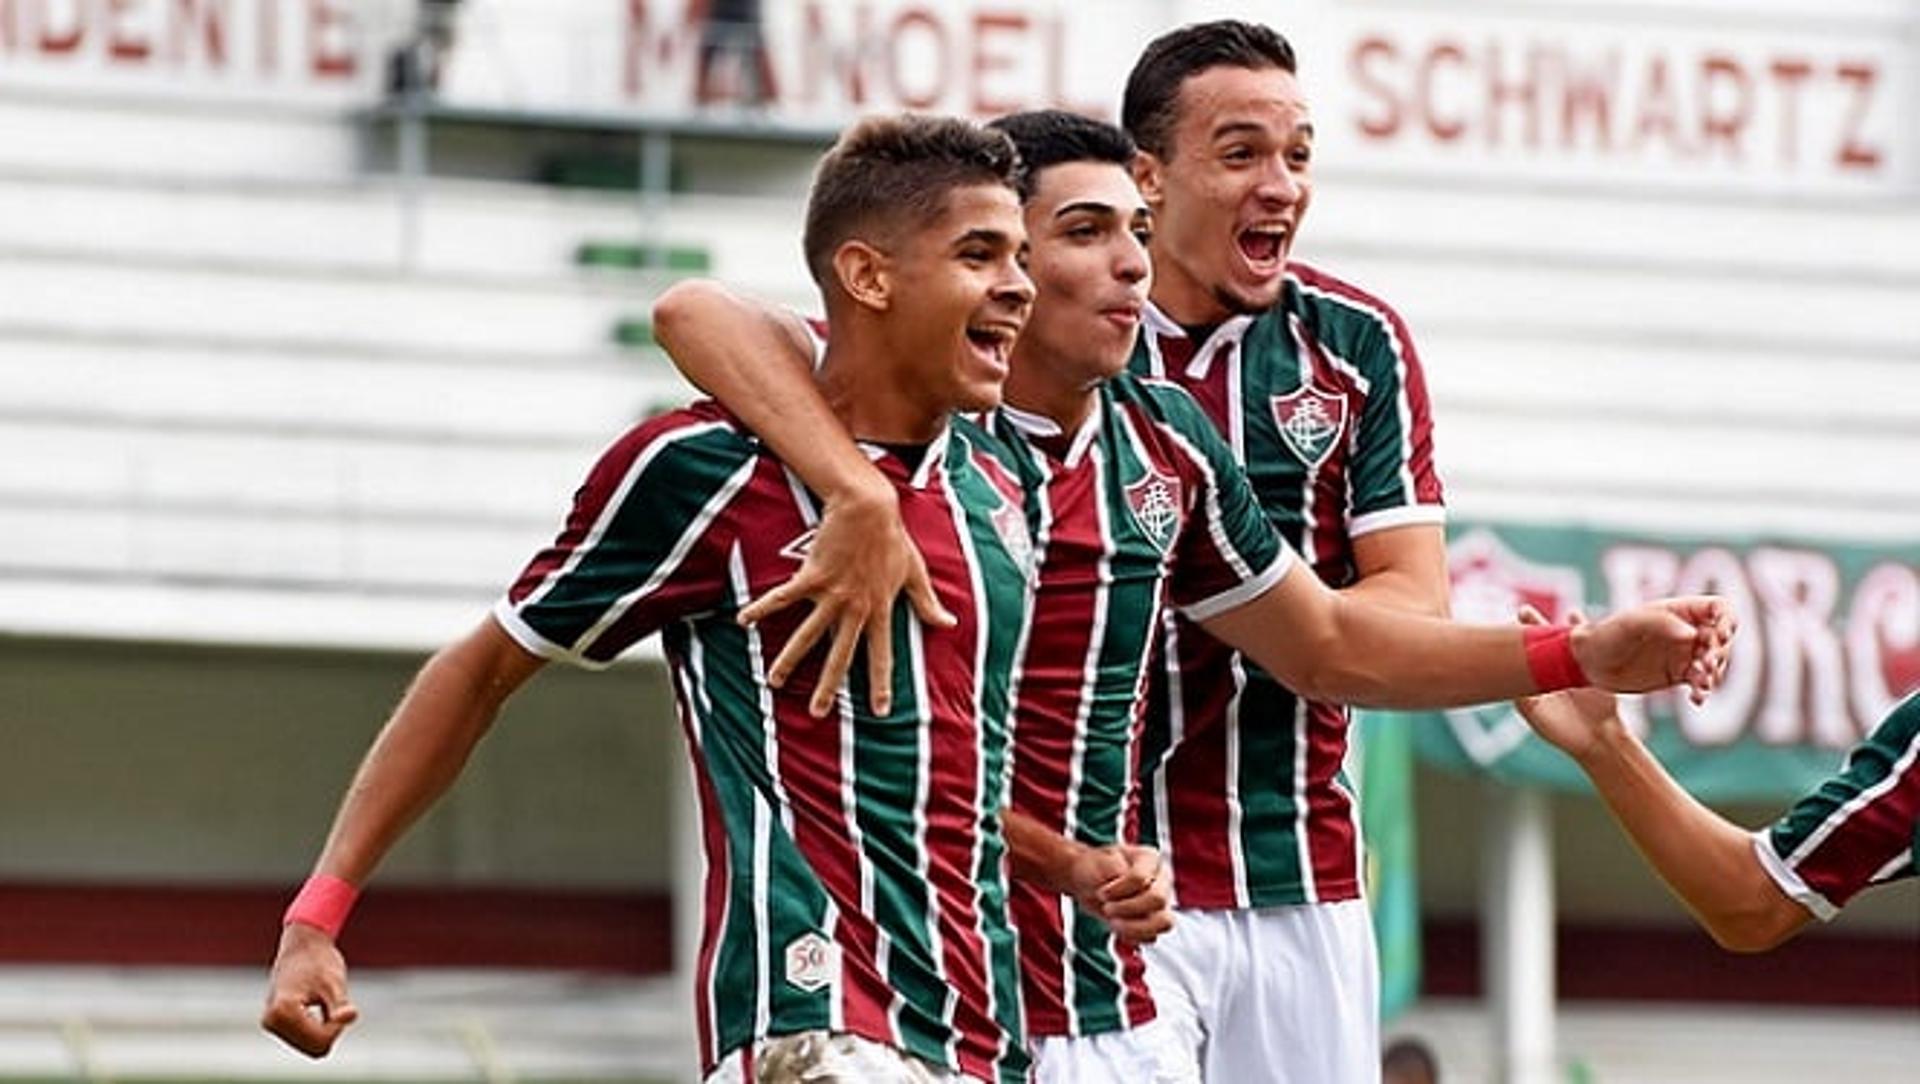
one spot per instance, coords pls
(802, 545)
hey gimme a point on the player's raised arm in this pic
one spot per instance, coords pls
(1751, 891)
(1332, 647)
(417, 756)
(756, 360)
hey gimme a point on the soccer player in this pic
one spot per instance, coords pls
(1133, 498)
(1270, 973)
(1751, 890)
(855, 920)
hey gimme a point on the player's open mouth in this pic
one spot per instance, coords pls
(992, 342)
(1263, 246)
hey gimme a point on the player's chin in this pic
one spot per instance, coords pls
(975, 396)
(1255, 293)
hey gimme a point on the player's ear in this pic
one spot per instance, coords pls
(865, 274)
(1148, 176)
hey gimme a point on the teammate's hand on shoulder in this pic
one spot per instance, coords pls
(859, 562)
(307, 1003)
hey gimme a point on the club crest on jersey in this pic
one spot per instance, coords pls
(1154, 501)
(802, 545)
(1310, 421)
(1010, 523)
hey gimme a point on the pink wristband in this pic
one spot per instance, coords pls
(323, 903)
(1550, 658)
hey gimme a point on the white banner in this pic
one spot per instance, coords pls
(1688, 102)
(238, 51)
(1760, 97)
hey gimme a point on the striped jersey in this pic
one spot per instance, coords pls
(1142, 507)
(1322, 398)
(854, 865)
(1859, 828)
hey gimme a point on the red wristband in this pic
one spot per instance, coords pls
(1550, 658)
(323, 903)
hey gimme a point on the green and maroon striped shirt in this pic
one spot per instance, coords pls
(1142, 508)
(1859, 828)
(1322, 398)
(855, 865)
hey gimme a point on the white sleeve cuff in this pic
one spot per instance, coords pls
(1248, 590)
(1404, 516)
(516, 627)
(1789, 881)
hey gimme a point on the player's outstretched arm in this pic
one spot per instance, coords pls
(1123, 884)
(416, 757)
(756, 360)
(1707, 861)
(1331, 647)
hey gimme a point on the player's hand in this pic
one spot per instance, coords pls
(1125, 886)
(307, 1002)
(1669, 642)
(1572, 720)
(860, 561)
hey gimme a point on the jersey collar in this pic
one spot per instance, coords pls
(931, 464)
(1161, 326)
(1030, 424)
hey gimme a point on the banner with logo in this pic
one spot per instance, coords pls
(1829, 642)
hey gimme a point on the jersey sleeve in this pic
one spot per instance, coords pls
(1859, 828)
(644, 544)
(1227, 552)
(1393, 475)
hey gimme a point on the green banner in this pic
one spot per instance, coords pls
(1829, 642)
(1383, 750)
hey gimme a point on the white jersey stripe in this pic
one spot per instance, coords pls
(762, 827)
(1089, 673)
(1900, 863)
(1236, 812)
(694, 695)
(1860, 801)
(614, 502)
(1308, 882)
(665, 570)
(982, 621)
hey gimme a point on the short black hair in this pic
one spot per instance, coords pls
(889, 171)
(1052, 137)
(1151, 105)
(1411, 1058)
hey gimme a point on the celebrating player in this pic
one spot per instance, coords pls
(1133, 499)
(1751, 890)
(1271, 972)
(856, 922)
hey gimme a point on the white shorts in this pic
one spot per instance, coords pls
(1280, 995)
(1148, 1054)
(822, 1057)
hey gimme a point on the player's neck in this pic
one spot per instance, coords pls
(1032, 388)
(1182, 298)
(869, 394)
